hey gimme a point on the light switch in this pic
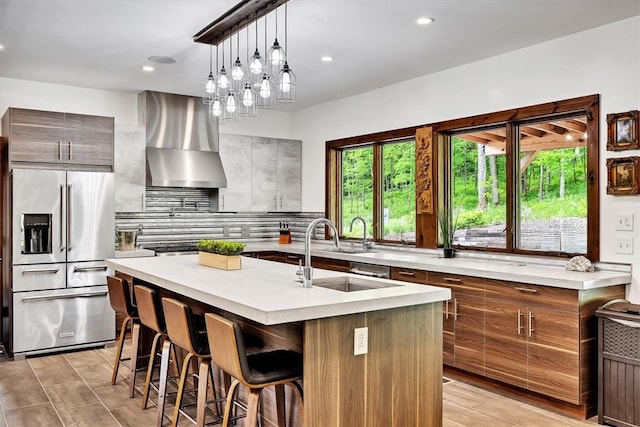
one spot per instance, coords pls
(624, 222)
(624, 245)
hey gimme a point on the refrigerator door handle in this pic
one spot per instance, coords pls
(64, 296)
(69, 216)
(62, 215)
(85, 269)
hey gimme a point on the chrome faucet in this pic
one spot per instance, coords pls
(365, 245)
(307, 271)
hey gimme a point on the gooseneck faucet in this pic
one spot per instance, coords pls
(307, 271)
(365, 244)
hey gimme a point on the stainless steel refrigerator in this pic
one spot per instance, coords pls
(62, 230)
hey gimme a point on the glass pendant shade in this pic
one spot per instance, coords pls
(209, 89)
(231, 111)
(286, 85)
(256, 67)
(275, 58)
(248, 101)
(266, 92)
(215, 110)
(237, 75)
(222, 81)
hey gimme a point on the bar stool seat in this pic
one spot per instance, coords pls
(152, 316)
(256, 371)
(120, 299)
(187, 331)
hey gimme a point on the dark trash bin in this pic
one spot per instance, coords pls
(619, 364)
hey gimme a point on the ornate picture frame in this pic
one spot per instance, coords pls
(622, 176)
(622, 131)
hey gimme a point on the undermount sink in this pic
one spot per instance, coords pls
(350, 284)
(350, 250)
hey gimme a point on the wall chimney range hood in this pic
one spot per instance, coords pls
(182, 146)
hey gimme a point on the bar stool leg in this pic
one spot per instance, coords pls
(183, 379)
(116, 364)
(253, 399)
(280, 405)
(162, 387)
(133, 363)
(149, 377)
(203, 382)
(231, 396)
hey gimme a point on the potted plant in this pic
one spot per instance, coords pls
(447, 230)
(220, 254)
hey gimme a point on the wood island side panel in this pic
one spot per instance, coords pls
(398, 382)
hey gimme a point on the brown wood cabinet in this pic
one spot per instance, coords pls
(409, 275)
(463, 321)
(59, 140)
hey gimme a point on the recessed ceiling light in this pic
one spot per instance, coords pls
(1, 47)
(162, 59)
(147, 68)
(327, 58)
(424, 21)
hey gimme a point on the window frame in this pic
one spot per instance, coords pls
(512, 119)
(333, 207)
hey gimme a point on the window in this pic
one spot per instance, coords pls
(374, 180)
(527, 185)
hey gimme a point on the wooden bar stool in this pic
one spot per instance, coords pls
(120, 299)
(255, 371)
(185, 333)
(152, 316)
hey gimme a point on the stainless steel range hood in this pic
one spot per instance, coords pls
(182, 146)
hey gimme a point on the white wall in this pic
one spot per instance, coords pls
(604, 61)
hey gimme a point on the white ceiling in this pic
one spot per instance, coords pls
(103, 43)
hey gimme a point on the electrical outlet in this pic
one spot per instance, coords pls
(624, 222)
(360, 341)
(624, 245)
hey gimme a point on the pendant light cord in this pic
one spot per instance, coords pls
(286, 21)
(210, 59)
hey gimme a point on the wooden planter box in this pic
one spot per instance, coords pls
(222, 262)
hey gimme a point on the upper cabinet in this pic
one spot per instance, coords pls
(59, 140)
(263, 174)
(129, 168)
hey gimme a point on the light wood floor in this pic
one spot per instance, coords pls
(74, 389)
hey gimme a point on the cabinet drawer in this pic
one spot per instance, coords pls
(465, 284)
(409, 275)
(293, 258)
(330, 264)
(563, 299)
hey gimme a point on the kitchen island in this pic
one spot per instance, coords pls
(397, 382)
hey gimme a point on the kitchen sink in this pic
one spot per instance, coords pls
(350, 250)
(350, 284)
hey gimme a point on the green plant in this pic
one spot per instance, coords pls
(220, 247)
(447, 228)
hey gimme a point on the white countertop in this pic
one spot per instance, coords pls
(139, 252)
(535, 271)
(267, 292)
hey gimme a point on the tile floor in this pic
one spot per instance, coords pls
(74, 389)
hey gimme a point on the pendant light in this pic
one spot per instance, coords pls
(255, 63)
(231, 111)
(222, 81)
(276, 54)
(286, 79)
(247, 96)
(215, 110)
(210, 84)
(237, 73)
(266, 89)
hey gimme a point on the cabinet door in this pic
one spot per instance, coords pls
(129, 168)
(235, 155)
(469, 332)
(263, 179)
(506, 341)
(554, 358)
(36, 136)
(409, 275)
(89, 140)
(289, 175)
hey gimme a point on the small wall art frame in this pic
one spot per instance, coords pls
(622, 131)
(622, 176)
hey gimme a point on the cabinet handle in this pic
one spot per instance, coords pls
(451, 279)
(455, 309)
(446, 312)
(63, 214)
(59, 150)
(40, 271)
(69, 150)
(531, 330)
(531, 291)
(292, 257)
(406, 273)
(519, 322)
